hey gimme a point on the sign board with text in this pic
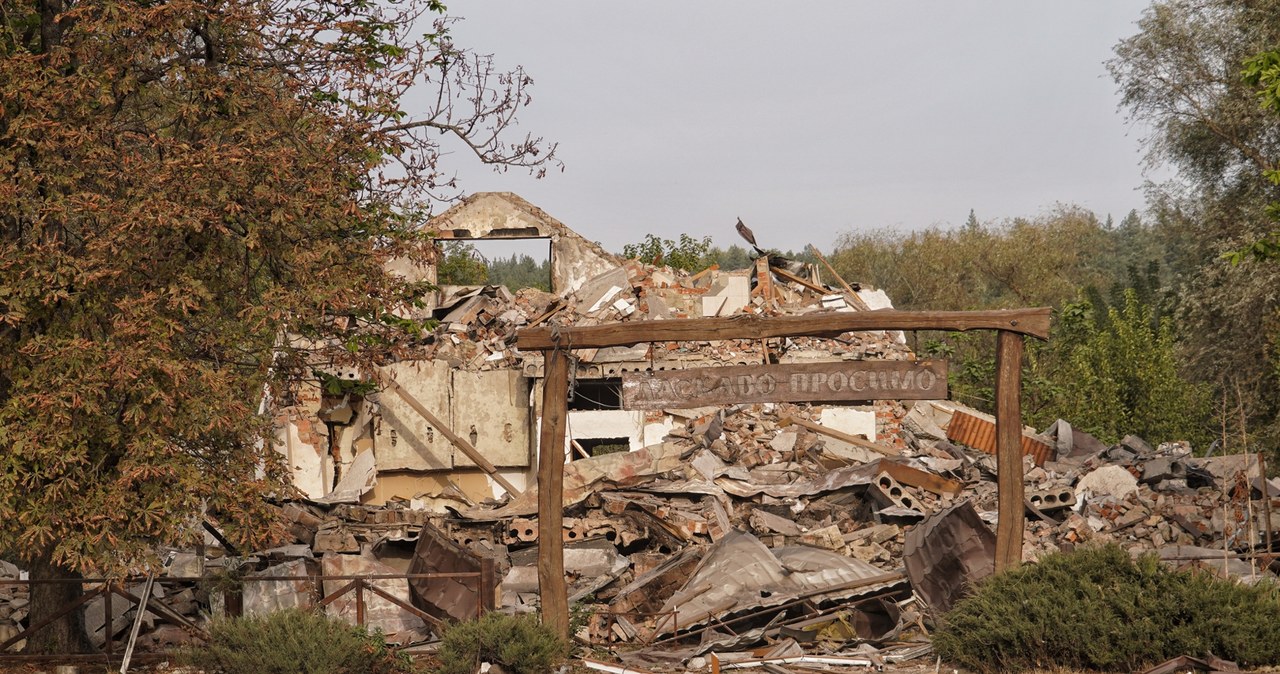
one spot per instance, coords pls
(802, 382)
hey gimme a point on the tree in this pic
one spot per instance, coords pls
(199, 199)
(521, 271)
(461, 265)
(1263, 72)
(1181, 75)
(688, 253)
(1114, 371)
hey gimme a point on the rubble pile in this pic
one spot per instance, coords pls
(745, 534)
(477, 326)
(14, 600)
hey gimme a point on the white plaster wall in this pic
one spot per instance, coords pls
(310, 468)
(851, 420)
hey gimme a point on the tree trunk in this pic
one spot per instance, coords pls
(66, 634)
(50, 28)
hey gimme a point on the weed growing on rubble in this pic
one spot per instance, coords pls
(1097, 608)
(520, 644)
(294, 642)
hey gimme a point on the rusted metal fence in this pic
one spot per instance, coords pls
(111, 590)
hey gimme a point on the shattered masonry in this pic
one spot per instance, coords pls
(691, 534)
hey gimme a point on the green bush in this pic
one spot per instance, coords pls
(1097, 608)
(293, 642)
(520, 644)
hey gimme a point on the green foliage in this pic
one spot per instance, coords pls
(337, 386)
(461, 265)
(688, 253)
(1262, 72)
(521, 271)
(294, 642)
(1097, 608)
(731, 258)
(1195, 73)
(1018, 263)
(520, 644)
(1111, 365)
(1118, 373)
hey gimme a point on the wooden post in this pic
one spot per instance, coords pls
(555, 404)
(1009, 531)
(360, 602)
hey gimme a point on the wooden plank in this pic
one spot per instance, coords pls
(471, 452)
(852, 294)
(1033, 322)
(837, 381)
(788, 276)
(923, 479)
(1009, 530)
(552, 589)
(844, 437)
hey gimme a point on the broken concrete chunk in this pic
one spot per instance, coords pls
(764, 521)
(1108, 481)
(1048, 500)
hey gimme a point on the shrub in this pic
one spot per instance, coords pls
(1097, 608)
(520, 644)
(294, 642)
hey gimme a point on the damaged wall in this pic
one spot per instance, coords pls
(468, 374)
(504, 215)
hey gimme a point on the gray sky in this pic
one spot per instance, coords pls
(812, 119)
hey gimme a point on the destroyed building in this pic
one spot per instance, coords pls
(472, 379)
(829, 533)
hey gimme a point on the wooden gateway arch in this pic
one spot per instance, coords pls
(1011, 326)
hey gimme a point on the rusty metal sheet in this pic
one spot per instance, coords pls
(804, 382)
(449, 598)
(980, 434)
(946, 553)
(739, 573)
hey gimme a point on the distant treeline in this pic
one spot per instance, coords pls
(1111, 366)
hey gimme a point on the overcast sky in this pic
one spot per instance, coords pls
(812, 119)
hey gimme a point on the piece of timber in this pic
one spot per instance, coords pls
(837, 381)
(922, 479)
(552, 590)
(788, 276)
(844, 437)
(1033, 322)
(466, 447)
(1009, 482)
(857, 301)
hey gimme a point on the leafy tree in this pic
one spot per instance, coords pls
(731, 258)
(200, 196)
(1181, 76)
(1017, 263)
(1263, 71)
(521, 271)
(1117, 372)
(688, 253)
(1049, 261)
(461, 265)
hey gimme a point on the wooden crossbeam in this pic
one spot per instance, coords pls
(1032, 322)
